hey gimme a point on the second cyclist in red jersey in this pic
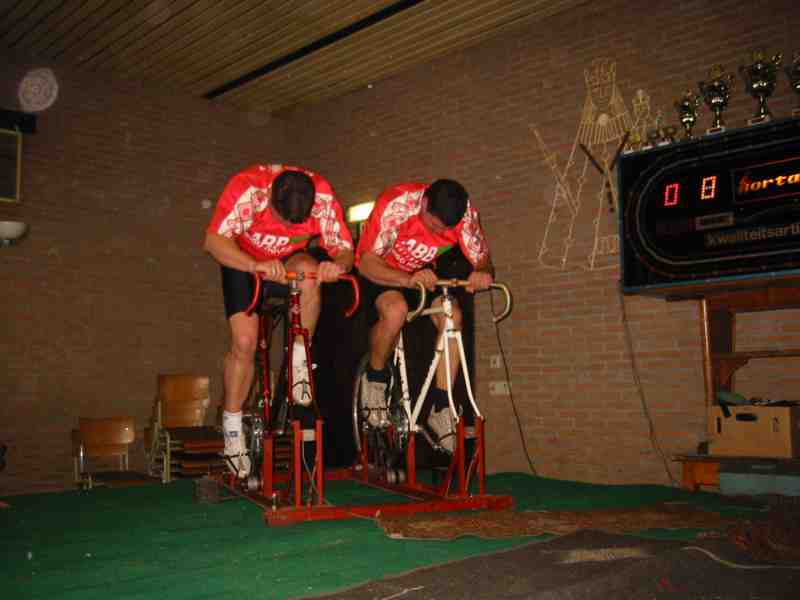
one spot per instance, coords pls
(409, 227)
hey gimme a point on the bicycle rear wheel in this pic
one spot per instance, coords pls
(359, 417)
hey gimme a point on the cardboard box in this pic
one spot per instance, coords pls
(765, 431)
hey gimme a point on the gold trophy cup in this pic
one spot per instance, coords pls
(759, 80)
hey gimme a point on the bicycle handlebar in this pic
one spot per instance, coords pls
(300, 276)
(460, 283)
(423, 294)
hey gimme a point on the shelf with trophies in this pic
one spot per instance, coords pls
(760, 79)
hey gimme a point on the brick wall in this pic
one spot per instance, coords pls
(95, 301)
(111, 285)
(475, 115)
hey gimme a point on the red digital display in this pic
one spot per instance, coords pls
(672, 194)
(708, 188)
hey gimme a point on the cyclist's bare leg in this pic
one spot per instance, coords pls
(238, 376)
(239, 366)
(310, 295)
(392, 310)
(439, 322)
(439, 418)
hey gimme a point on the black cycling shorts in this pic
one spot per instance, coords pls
(238, 287)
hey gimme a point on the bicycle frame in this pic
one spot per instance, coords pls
(442, 349)
(265, 482)
(294, 329)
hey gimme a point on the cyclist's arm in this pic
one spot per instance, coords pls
(376, 269)
(485, 266)
(329, 270)
(226, 252)
(481, 277)
(344, 258)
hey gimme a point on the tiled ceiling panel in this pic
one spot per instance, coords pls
(256, 54)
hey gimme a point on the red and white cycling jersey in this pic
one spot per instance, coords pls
(396, 233)
(241, 214)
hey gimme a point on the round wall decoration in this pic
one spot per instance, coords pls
(38, 90)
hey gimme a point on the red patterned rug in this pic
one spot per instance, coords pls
(446, 526)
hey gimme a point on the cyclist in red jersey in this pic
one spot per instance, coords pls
(410, 225)
(263, 223)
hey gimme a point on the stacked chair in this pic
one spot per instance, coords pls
(99, 442)
(178, 443)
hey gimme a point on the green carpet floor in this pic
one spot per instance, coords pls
(156, 542)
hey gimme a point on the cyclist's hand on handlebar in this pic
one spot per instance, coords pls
(328, 271)
(273, 270)
(478, 280)
(424, 276)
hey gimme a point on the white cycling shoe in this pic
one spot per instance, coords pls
(236, 456)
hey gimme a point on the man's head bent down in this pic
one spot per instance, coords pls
(293, 196)
(447, 201)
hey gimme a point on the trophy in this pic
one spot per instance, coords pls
(652, 139)
(661, 135)
(793, 73)
(716, 93)
(633, 143)
(668, 134)
(759, 79)
(687, 112)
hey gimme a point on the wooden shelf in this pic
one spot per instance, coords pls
(719, 310)
(724, 365)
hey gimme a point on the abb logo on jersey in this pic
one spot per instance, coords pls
(413, 253)
(272, 244)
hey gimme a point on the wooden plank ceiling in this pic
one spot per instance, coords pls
(257, 54)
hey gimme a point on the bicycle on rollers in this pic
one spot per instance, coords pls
(390, 447)
(274, 407)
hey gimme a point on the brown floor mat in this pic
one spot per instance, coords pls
(775, 539)
(513, 524)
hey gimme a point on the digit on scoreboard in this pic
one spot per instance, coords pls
(672, 194)
(708, 188)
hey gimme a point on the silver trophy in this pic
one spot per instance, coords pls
(687, 112)
(716, 92)
(759, 79)
(793, 73)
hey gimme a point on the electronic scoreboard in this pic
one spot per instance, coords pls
(722, 209)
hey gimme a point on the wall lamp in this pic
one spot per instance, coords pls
(359, 212)
(12, 232)
(357, 216)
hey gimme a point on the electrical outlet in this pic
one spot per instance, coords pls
(495, 361)
(498, 388)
